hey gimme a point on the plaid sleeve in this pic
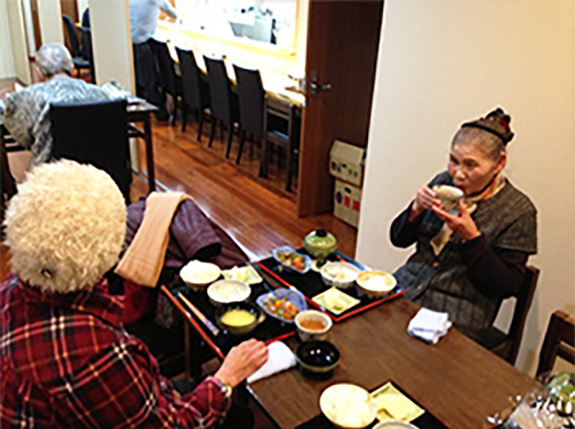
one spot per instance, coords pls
(120, 387)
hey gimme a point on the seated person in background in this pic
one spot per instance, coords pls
(144, 16)
(66, 359)
(467, 262)
(27, 110)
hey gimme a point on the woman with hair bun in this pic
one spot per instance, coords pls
(469, 259)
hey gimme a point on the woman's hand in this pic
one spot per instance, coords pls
(425, 199)
(242, 361)
(461, 223)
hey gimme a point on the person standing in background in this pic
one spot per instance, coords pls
(144, 16)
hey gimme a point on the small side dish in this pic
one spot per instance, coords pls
(283, 304)
(239, 318)
(292, 260)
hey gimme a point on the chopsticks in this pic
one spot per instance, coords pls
(193, 322)
(199, 314)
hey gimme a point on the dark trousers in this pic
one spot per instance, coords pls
(147, 83)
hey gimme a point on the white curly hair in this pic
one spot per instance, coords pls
(65, 227)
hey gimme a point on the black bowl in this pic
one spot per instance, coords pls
(239, 329)
(317, 357)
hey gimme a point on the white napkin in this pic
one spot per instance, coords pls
(280, 358)
(429, 325)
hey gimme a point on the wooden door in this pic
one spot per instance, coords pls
(342, 46)
(36, 24)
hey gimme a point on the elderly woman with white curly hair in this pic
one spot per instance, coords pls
(66, 359)
(27, 110)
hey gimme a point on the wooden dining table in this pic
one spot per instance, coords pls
(457, 381)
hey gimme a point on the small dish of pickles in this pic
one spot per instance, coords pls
(292, 260)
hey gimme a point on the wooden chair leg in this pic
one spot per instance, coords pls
(241, 148)
(213, 131)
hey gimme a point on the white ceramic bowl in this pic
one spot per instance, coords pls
(376, 283)
(228, 291)
(339, 274)
(348, 406)
(198, 274)
(313, 325)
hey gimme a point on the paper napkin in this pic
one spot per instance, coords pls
(280, 358)
(429, 325)
(335, 300)
(392, 405)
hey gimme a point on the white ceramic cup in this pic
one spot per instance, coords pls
(303, 319)
(449, 197)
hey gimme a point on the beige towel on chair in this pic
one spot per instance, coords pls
(143, 261)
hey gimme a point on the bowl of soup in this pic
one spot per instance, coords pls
(239, 318)
(313, 325)
(317, 358)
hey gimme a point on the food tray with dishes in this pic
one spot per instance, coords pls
(424, 421)
(235, 321)
(365, 288)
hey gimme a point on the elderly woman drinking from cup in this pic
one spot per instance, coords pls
(470, 255)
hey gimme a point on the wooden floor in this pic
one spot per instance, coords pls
(257, 213)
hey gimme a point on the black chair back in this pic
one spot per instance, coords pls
(72, 36)
(165, 65)
(559, 342)
(87, 51)
(507, 345)
(251, 97)
(222, 100)
(94, 133)
(193, 92)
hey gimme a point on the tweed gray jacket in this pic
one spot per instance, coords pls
(507, 222)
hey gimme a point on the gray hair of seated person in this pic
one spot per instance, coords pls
(488, 143)
(54, 58)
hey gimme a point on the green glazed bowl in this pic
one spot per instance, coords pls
(320, 243)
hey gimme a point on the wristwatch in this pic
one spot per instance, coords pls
(227, 389)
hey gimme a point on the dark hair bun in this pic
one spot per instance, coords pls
(496, 122)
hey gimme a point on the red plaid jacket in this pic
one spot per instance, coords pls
(67, 362)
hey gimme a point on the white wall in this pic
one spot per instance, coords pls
(18, 36)
(50, 17)
(446, 61)
(6, 61)
(112, 42)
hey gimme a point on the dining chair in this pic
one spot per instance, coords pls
(559, 342)
(195, 90)
(252, 104)
(506, 345)
(80, 62)
(170, 81)
(224, 101)
(94, 133)
(88, 53)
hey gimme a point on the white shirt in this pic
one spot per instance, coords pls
(144, 16)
